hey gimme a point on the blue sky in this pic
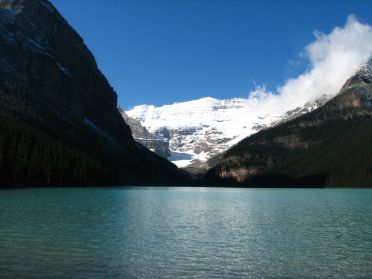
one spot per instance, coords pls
(160, 52)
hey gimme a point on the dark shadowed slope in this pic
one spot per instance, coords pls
(331, 146)
(59, 119)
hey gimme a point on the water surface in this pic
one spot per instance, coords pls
(186, 233)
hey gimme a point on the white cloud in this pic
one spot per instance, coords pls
(333, 58)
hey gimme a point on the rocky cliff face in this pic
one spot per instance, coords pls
(331, 146)
(50, 81)
(151, 141)
(48, 65)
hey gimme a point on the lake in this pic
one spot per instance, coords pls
(186, 233)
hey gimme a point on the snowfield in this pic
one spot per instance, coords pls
(199, 129)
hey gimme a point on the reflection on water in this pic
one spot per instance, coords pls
(186, 232)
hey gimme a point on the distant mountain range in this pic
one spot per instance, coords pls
(201, 129)
(60, 124)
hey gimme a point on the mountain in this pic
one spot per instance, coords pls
(330, 146)
(59, 118)
(201, 129)
(143, 136)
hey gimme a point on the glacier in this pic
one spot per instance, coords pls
(200, 129)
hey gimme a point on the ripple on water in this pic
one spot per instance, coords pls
(186, 232)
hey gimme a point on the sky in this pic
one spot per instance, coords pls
(164, 51)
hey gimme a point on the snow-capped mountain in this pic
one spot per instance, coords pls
(330, 147)
(365, 71)
(200, 129)
(300, 110)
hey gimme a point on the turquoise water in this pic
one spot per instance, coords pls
(186, 233)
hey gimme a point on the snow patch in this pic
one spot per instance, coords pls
(48, 6)
(181, 159)
(63, 69)
(98, 130)
(365, 70)
(34, 44)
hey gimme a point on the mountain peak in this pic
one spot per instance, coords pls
(21, 6)
(362, 76)
(365, 72)
(50, 82)
(58, 68)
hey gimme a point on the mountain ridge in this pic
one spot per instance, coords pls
(61, 126)
(199, 129)
(328, 147)
(50, 85)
